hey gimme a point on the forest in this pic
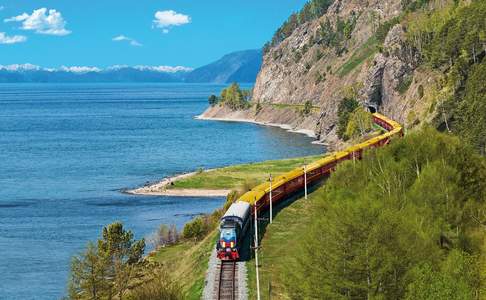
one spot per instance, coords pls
(452, 38)
(406, 222)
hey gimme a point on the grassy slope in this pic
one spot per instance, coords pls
(188, 262)
(359, 56)
(279, 248)
(234, 176)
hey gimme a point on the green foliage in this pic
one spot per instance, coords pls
(198, 228)
(105, 270)
(453, 38)
(346, 107)
(455, 279)
(335, 38)
(413, 5)
(213, 100)
(359, 56)
(396, 225)
(446, 34)
(311, 10)
(360, 122)
(235, 98)
(307, 108)
(384, 28)
(470, 116)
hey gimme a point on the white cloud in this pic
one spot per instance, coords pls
(20, 67)
(163, 69)
(42, 21)
(12, 39)
(79, 69)
(168, 18)
(131, 41)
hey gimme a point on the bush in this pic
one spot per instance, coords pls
(164, 236)
(235, 98)
(360, 122)
(198, 228)
(213, 100)
(307, 108)
(346, 107)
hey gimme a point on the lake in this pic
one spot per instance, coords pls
(67, 149)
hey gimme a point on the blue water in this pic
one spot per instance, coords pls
(66, 150)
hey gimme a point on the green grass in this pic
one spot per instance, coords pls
(359, 56)
(234, 177)
(280, 248)
(297, 107)
(187, 262)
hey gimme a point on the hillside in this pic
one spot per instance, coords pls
(382, 54)
(241, 66)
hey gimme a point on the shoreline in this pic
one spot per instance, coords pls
(160, 188)
(307, 132)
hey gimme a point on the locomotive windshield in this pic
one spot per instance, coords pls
(228, 234)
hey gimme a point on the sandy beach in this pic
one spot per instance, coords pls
(161, 189)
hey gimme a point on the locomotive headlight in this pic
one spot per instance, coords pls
(223, 243)
(232, 244)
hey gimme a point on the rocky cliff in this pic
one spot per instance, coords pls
(357, 45)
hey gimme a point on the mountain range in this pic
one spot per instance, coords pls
(241, 66)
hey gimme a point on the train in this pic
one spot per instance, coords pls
(235, 222)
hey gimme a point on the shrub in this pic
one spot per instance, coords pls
(196, 229)
(307, 108)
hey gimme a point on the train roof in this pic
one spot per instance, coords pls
(238, 209)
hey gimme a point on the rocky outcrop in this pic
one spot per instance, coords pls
(391, 72)
(313, 65)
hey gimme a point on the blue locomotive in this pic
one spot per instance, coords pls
(232, 227)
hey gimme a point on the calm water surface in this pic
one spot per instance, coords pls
(66, 150)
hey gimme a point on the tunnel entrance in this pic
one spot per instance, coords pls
(372, 109)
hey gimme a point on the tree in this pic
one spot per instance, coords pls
(359, 123)
(106, 269)
(346, 107)
(213, 100)
(120, 251)
(87, 279)
(234, 97)
(307, 108)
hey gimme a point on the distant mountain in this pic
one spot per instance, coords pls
(33, 73)
(241, 66)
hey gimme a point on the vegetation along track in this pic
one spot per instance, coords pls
(227, 286)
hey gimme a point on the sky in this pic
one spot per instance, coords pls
(103, 33)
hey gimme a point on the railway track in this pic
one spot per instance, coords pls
(227, 287)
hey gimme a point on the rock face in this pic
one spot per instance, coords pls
(391, 71)
(307, 66)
